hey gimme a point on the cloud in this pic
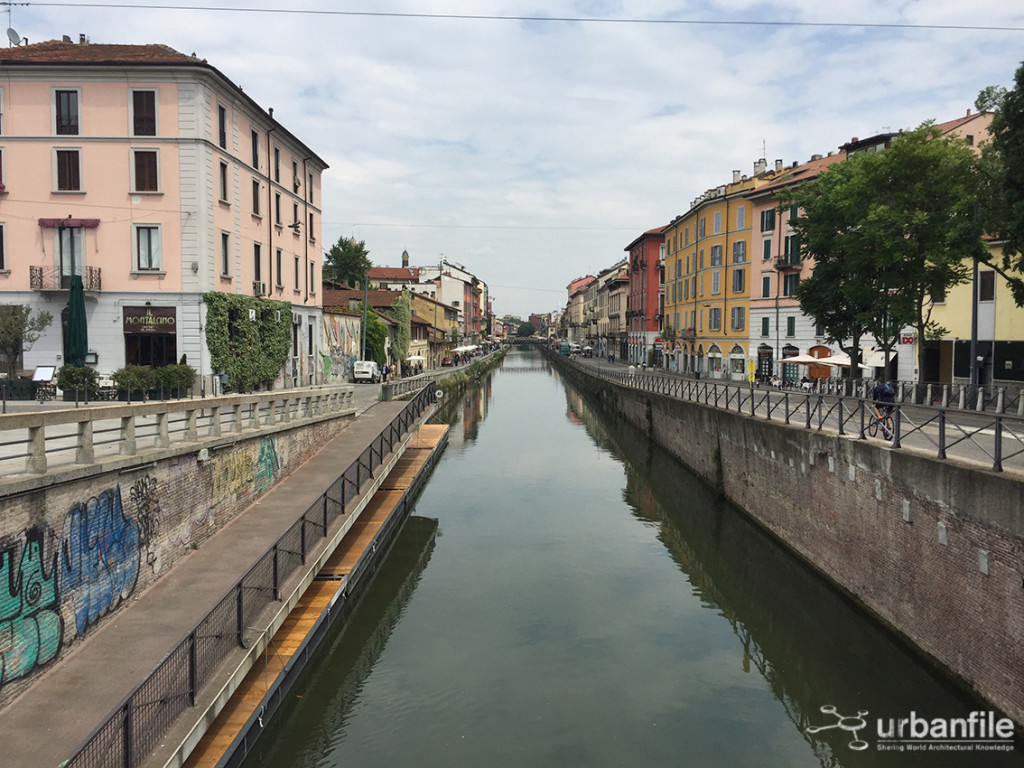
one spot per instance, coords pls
(535, 151)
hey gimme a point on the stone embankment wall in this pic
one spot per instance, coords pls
(76, 551)
(934, 549)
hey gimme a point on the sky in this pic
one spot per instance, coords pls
(533, 149)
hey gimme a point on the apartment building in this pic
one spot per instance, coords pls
(153, 176)
(644, 302)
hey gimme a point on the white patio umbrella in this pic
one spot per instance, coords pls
(415, 359)
(804, 360)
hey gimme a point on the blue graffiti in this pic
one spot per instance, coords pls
(31, 630)
(99, 557)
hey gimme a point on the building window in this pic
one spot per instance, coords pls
(309, 189)
(737, 281)
(766, 286)
(738, 319)
(278, 256)
(277, 208)
(312, 277)
(739, 252)
(766, 250)
(714, 282)
(686, 289)
(225, 254)
(144, 113)
(791, 249)
(791, 326)
(700, 229)
(819, 330)
(686, 236)
(716, 255)
(3, 247)
(66, 111)
(768, 220)
(718, 222)
(146, 172)
(296, 274)
(296, 181)
(69, 170)
(741, 217)
(702, 258)
(295, 216)
(987, 285)
(277, 164)
(789, 283)
(147, 247)
(715, 319)
(223, 182)
(222, 126)
(257, 263)
(255, 149)
(765, 326)
(255, 197)
(312, 237)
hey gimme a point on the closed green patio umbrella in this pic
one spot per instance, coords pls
(76, 335)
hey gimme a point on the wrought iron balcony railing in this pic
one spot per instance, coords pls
(51, 279)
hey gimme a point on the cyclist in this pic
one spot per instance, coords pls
(885, 399)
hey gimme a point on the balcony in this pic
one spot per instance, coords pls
(51, 279)
(788, 262)
(689, 333)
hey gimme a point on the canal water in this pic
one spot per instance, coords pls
(568, 595)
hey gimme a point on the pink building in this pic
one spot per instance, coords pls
(643, 313)
(155, 178)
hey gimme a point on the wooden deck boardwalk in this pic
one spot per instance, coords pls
(215, 744)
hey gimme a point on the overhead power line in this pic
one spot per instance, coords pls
(551, 19)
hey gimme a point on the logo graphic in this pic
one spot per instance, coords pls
(848, 723)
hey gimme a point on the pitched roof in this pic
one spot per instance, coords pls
(66, 53)
(395, 273)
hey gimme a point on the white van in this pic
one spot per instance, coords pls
(365, 370)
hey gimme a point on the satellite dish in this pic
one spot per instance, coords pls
(13, 36)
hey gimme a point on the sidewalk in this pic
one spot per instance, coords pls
(46, 724)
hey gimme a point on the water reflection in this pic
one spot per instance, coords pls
(811, 645)
(314, 719)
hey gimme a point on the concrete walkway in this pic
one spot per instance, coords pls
(49, 721)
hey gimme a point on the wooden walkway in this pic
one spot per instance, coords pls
(247, 698)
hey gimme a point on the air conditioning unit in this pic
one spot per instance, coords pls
(259, 288)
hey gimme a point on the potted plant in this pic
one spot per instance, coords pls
(78, 382)
(134, 381)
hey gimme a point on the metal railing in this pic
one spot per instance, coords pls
(134, 730)
(991, 438)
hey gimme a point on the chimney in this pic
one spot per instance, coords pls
(735, 177)
(778, 165)
(67, 38)
(81, 38)
(760, 166)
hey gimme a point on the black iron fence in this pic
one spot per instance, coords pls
(139, 723)
(992, 438)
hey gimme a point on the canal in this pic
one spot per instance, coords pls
(566, 594)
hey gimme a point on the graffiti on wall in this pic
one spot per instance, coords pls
(339, 345)
(31, 629)
(231, 473)
(99, 560)
(145, 502)
(267, 465)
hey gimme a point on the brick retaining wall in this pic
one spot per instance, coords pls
(934, 549)
(74, 552)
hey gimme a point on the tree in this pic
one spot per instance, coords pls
(990, 98)
(401, 313)
(1002, 206)
(376, 338)
(19, 330)
(525, 330)
(890, 231)
(347, 262)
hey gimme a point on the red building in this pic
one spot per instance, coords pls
(644, 304)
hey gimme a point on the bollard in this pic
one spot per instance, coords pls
(980, 406)
(1000, 399)
(945, 395)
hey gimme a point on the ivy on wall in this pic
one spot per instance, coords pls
(401, 313)
(248, 338)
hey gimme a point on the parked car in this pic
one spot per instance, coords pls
(447, 362)
(365, 370)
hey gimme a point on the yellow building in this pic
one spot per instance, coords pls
(707, 281)
(1000, 334)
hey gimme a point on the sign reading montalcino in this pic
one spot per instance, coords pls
(150, 320)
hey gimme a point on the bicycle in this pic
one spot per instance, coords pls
(884, 422)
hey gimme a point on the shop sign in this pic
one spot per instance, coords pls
(907, 339)
(150, 320)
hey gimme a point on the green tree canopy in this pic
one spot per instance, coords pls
(347, 262)
(401, 313)
(376, 338)
(1002, 206)
(889, 231)
(20, 328)
(525, 330)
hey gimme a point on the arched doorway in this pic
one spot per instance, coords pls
(765, 362)
(714, 362)
(737, 363)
